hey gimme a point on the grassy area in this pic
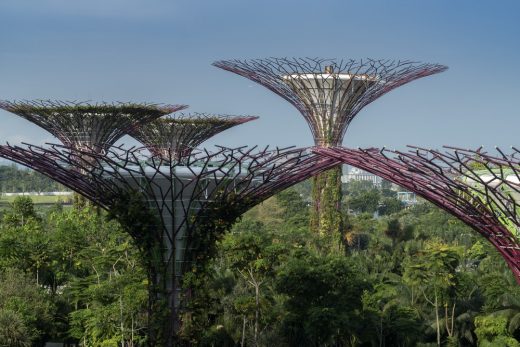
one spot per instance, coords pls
(38, 199)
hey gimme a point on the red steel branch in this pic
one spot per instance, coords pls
(457, 181)
(242, 177)
(255, 174)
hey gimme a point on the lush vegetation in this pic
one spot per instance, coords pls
(411, 277)
(325, 217)
(395, 276)
(44, 200)
(68, 275)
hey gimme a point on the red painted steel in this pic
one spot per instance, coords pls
(447, 179)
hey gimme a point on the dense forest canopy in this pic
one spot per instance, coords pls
(395, 276)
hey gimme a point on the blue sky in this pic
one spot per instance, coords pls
(161, 51)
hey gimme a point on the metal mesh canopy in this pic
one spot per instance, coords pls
(328, 92)
(82, 125)
(478, 188)
(174, 137)
(251, 174)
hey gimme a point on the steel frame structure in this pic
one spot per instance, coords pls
(478, 188)
(329, 93)
(193, 202)
(176, 136)
(83, 125)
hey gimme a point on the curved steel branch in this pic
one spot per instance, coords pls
(467, 184)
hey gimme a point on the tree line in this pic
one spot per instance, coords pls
(14, 179)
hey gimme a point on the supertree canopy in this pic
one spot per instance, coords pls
(329, 93)
(480, 189)
(176, 136)
(82, 125)
(174, 211)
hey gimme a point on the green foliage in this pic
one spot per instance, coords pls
(393, 230)
(13, 332)
(27, 305)
(326, 196)
(356, 234)
(433, 269)
(365, 197)
(135, 216)
(390, 300)
(323, 299)
(111, 302)
(492, 331)
(410, 278)
(358, 187)
(143, 225)
(390, 316)
(386, 189)
(17, 180)
(365, 202)
(67, 271)
(217, 336)
(209, 229)
(389, 205)
(296, 210)
(21, 211)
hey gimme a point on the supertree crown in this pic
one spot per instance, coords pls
(174, 137)
(329, 92)
(244, 175)
(82, 125)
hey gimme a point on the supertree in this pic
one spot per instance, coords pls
(329, 93)
(83, 125)
(480, 189)
(174, 137)
(175, 211)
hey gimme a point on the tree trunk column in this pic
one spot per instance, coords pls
(326, 216)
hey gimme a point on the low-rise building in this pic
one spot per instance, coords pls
(354, 174)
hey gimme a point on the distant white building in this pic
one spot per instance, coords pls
(38, 193)
(354, 174)
(351, 173)
(408, 198)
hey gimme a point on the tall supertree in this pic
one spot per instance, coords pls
(175, 137)
(480, 189)
(175, 211)
(83, 125)
(329, 94)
